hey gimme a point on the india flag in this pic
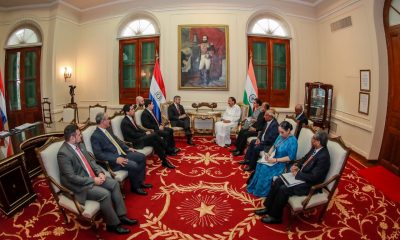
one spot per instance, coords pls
(250, 90)
(157, 91)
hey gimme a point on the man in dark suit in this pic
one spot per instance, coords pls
(107, 147)
(264, 141)
(312, 169)
(141, 138)
(150, 121)
(301, 119)
(80, 174)
(178, 118)
(253, 129)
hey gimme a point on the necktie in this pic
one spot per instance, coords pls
(177, 108)
(151, 112)
(86, 163)
(114, 142)
(133, 122)
(309, 159)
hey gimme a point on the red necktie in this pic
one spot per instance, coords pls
(308, 160)
(85, 161)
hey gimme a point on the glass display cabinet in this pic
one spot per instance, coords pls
(318, 104)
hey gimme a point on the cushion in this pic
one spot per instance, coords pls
(90, 207)
(116, 126)
(49, 159)
(93, 111)
(138, 117)
(249, 139)
(316, 200)
(68, 115)
(121, 175)
(86, 135)
(304, 142)
(338, 155)
(146, 150)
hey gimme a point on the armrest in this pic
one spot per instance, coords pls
(68, 193)
(129, 144)
(290, 164)
(318, 187)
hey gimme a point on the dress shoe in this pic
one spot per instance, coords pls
(190, 142)
(237, 153)
(261, 212)
(176, 150)
(248, 168)
(271, 220)
(227, 145)
(117, 229)
(139, 191)
(146, 185)
(127, 221)
(172, 153)
(167, 164)
(244, 162)
(233, 150)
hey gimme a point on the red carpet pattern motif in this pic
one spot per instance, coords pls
(205, 198)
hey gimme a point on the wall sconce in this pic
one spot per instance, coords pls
(67, 73)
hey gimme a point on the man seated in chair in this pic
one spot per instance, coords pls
(80, 174)
(141, 138)
(150, 121)
(107, 147)
(178, 118)
(229, 119)
(312, 169)
(265, 139)
(301, 119)
(139, 101)
(252, 129)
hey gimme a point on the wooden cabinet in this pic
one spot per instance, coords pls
(318, 104)
(15, 185)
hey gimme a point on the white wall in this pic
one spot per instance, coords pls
(343, 54)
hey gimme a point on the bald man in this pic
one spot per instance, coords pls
(301, 119)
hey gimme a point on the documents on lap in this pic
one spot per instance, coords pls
(290, 180)
(262, 159)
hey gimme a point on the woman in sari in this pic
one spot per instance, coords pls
(283, 151)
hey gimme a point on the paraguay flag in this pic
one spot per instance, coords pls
(250, 90)
(157, 91)
(5, 144)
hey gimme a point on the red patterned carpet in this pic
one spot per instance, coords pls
(205, 198)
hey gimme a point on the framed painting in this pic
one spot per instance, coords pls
(203, 55)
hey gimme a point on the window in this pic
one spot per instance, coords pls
(137, 56)
(269, 47)
(22, 76)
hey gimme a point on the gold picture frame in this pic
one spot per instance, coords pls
(203, 57)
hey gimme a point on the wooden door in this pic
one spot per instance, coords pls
(389, 155)
(22, 83)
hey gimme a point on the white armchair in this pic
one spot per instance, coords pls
(119, 175)
(65, 199)
(94, 110)
(116, 128)
(69, 114)
(339, 154)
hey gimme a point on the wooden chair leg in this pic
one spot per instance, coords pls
(66, 221)
(96, 230)
(323, 210)
(291, 215)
